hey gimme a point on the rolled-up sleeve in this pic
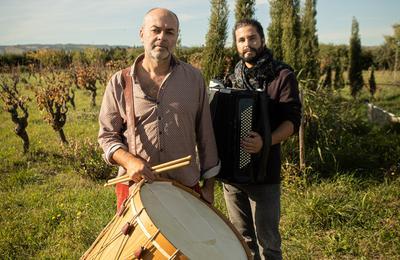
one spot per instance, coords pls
(111, 119)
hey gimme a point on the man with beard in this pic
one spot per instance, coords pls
(254, 209)
(170, 113)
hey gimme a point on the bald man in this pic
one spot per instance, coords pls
(171, 113)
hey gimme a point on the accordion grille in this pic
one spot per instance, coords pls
(246, 117)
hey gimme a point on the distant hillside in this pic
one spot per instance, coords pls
(18, 49)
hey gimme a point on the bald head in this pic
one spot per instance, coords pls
(159, 34)
(160, 12)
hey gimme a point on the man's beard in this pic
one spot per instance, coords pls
(161, 55)
(253, 60)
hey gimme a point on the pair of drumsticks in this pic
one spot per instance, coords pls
(156, 169)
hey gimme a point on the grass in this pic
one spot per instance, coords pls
(51, 209)
(345, 217)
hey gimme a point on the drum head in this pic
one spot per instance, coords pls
(189, 224)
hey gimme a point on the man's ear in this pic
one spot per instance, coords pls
(141, 34)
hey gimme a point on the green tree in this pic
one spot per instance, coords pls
(338, 81)
(275, 28)
(396, 29)
(244, 9)
(49, 58)
(309, 47)
(291, 32)
(327, 82)
(355, 65)
(372, 82)
(213, 61)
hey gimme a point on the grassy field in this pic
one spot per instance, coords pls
(51, 210)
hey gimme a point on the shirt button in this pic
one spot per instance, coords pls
(159, 118)
(161, 150)
(160, 132)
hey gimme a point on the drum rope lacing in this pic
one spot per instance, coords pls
(134, 223)
(148, 235)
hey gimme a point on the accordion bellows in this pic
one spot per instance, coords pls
(235, 112)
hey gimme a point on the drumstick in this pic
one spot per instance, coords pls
(156, 169)
(187, 158)
(125, 178)
(159, 170)
(183, 159)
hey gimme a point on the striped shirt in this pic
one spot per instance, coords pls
(168, 127)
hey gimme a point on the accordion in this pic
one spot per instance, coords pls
(234, 113)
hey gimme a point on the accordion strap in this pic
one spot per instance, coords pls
(127, 84)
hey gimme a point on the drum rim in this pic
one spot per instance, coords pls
(160, 242)
(167, 245)
(192, 192)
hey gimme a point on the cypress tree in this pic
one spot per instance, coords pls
(275, 28)
(371, 81)
(244, 9)
(309, 47)
(213, 60)
(355, 64)
(338, 81)
(327, 83)
(291, 32)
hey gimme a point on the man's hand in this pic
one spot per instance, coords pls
(252, 143)
(136, 167)
(207, 191)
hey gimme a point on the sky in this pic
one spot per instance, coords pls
(117, 22)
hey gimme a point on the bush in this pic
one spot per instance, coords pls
(339, 138)
(87, 160)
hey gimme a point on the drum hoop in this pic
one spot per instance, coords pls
(146, 233)
(189, 190)
(169, 246)
(219, 213)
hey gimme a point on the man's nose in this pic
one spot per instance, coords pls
(246, 43)
(161, 35)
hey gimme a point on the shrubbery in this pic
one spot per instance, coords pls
(86, 159)
(338, 137)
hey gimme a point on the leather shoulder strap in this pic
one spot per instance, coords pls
(127, 84)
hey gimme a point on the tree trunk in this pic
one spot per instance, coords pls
(62, 136)
(93, 103)
(25, 138)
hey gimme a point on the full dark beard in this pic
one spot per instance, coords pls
(253, 60)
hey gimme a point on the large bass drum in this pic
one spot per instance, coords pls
(165, 220)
